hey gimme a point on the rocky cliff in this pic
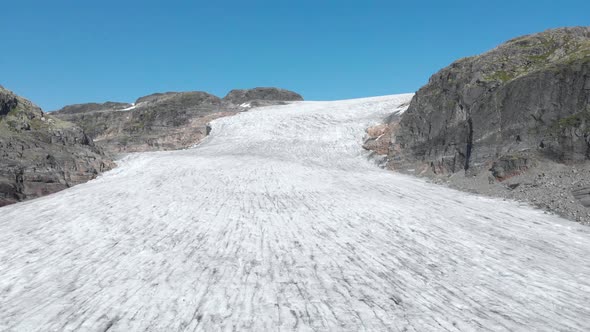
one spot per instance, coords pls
(164, 121)
(41, 154)
(527, 98)
(513, 122)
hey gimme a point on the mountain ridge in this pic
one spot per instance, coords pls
(165, 120)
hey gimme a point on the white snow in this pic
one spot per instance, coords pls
(245, 105)
(401, 111)
(278, 222)
(133, 106)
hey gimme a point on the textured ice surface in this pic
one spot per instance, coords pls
(278, 222)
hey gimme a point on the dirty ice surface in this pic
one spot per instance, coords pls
(278, 222)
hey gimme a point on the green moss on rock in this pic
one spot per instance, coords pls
(502, 76)
(574, 121)
(580, 120)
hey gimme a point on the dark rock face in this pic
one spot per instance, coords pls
(261, 96)
(162, 121)
(527, 97)
(40, 154)
(8, 102)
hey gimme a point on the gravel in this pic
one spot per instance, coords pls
(547, 186)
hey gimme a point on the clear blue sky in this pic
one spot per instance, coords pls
(63, 52)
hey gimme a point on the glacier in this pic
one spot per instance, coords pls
(279, 221)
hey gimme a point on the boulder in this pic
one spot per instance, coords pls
(509, 166)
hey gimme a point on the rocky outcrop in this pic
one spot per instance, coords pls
(261, 97)
(92, 107)
(527, 98)
(378, 137)
(513, 122)
(163, 121)
(40, 154)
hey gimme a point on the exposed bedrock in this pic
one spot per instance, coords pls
(40, 154)
(529, 96)
(165, 121)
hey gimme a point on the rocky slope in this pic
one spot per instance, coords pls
(164, 121)
(41, 154)
(156, 122)
(497, 115)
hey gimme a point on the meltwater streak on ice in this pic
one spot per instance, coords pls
(278, 221)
